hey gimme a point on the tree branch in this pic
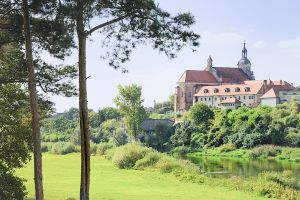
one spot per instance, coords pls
(5, 26)
(106, 24)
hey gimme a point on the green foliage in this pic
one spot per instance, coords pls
(12, 187)
(200, 114)
(159, 139)
(129, 100)
(149, 160)
(109, 113)
(264, 151)
(181, 151)
(227, 147)
(46, 146)
(126, 156)
(15, 139)
(183, 133)
(103, 147)
(62, 148)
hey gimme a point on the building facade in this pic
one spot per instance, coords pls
(192, 81)
(229, 87)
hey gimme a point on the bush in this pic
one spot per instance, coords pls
(62, 148)
(264, 151)
(103, 147)
(182, 151)
(227, 147)
(46, 147)
(149, 160)
(126, 156)
(93, 149)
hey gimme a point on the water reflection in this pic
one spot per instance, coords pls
(215, 166)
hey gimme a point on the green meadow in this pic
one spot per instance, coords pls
(62, 177)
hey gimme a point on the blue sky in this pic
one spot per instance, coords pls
(270, 28)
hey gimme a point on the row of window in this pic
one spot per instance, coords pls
(223, 98)
(227, 90)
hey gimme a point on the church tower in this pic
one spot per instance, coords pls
(245, 64)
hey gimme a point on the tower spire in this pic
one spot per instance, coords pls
(209, 62)
(244, 51)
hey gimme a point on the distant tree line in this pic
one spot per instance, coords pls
(244, 127)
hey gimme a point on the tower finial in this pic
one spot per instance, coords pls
(244, 51)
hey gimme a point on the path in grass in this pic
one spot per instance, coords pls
(61, 181)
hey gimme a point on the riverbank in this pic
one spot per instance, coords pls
(263, 152)
(62, 175)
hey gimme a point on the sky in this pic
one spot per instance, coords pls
(269, 27)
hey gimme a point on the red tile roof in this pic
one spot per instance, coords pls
(272, 93)
(231, 100)
(197, 76)
(231, 74)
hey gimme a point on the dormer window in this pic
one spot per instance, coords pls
(247, 89)
(237, 89)
(206, 91)
(227, 90)
(216, 90)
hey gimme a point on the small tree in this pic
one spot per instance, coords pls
(201, 114)
(129, 101)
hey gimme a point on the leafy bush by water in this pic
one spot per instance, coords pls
(126, 156)
(149, 160)
(264, 151)
(227, 147)
(182, 151)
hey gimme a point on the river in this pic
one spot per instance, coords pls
(215, 166)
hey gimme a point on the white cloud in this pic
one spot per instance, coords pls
(221, 38)
(259, 44)
(293, 43)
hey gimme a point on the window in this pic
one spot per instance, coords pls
(247, 89)
(208, 99)
(201, 99)
(216, 90)
(239, 98)
(216, 99)
(237, 89)
(227, 90)
(250, 97)
(204, 99)
(206, 91)
(244, 97)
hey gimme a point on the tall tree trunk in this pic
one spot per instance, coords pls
(37, 154)
(83, 109)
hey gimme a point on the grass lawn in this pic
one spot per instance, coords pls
(62, 177)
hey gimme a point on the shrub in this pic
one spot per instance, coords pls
(46, 147)
(182, 151)
(93, 149)
(62, 148)
(149, 160)
(103, 147)
(264, 151)
(126, 156)
(227, 147)
(284, 179)
(168, 164)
